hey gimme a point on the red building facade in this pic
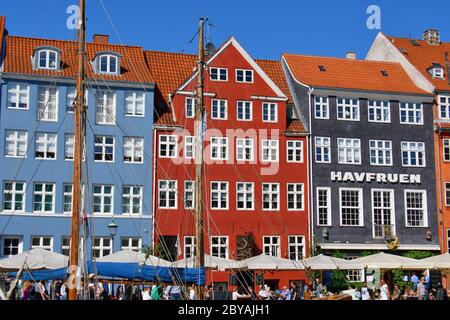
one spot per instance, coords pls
(255, 161)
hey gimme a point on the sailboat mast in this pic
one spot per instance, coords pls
(200, 254)
(79, 132)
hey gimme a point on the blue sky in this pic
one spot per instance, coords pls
(265, 28)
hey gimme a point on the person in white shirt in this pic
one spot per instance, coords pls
(192, 292)
(365, 293)
(237, 295)
(62, 292)
(264, 293)
(146, 294)
(384, 290)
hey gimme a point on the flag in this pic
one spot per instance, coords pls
(86, 223)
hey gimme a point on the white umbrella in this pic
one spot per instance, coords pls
(157, 262)
(439, 262)
(265, 262)
(210, 262)
(35, 259)
(124, 256)
(383, 260)
(323, 262)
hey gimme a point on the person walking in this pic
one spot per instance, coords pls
(421, 289)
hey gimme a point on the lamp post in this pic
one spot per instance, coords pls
(112, 231)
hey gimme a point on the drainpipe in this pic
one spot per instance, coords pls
(310, 173)
(152, 232)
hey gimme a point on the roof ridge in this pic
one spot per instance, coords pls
(409, 39)
(343, 59)
(168, 52)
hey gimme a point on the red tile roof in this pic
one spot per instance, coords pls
(274, 71)
(351, 74)
(423, 56)
(295, 126)
(20, 49)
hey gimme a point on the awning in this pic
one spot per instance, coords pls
(210, 262)
(323, 262)
(128, 256)
(438, 262)
(35, 259)
(265, 262)
(383, 260)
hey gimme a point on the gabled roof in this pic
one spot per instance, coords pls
(363, 75)
(19, 51)
(275, 72)
(423, 55)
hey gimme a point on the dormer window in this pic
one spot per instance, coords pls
(436, 71)
(108, 63)
(47, 58)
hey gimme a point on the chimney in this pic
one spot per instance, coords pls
(432, 37)
(101, 38)
(351, 55)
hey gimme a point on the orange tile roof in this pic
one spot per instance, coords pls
(20, 49)
(423, 56)
(351, 74)
(295, 126)
(274, 70)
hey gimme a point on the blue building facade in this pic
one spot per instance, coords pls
(36, 161)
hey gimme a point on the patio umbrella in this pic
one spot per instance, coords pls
(124, 256)
(383, 260)
(265, 262)
(210, 262)
(439, 262)
(34, 259)
(323, 262)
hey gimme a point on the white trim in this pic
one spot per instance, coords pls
(360, 207)
(244, 102)
(244, 146)
(322, 104)
(269, 105)
(407, 108)
(278, 244)
(329, 214)
(167, 192)
(302, 151)
(376, 149)
(270, 192)
(392, 208)
(268, 98)
(168, 142)
(219, 69)
(61, 215)
(296, 195)
(269, 147)
(219, 191)
(322, 147)
(375, 246)
(353, 151)
(218, 147)
(382, 107)
(351, 105)
(104, 146)
(444, 147)
(425, 207)
(244, 75)
(409, 165)
(102, 196)
(303, 243)
(218, 101)
(23, 192)
(219, 246)
(245, 194)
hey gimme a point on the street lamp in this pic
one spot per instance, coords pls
(112, 231)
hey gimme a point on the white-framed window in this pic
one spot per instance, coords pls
(14, 196)
(411, 113)
(349, 151)
(45, 243)
(383, 213)
(296, 247)
(219, 195)
(437, 73)
(47, 103)
(44, 197)
(135, 104)
(104, 148)
(351, 206)
(448, 240)
(269, 150)
(269, 112)
(244, 110)
(294, 151)
(132, 200)
(219, 246)
(379, 111)
(323, 198)
(245, 195)
(18, 96)
(101, 246)
(270, 196)
(167, 146)
(219, 109)
(323, 149)
(45, 146)
(295, 196)
(446, 152)
(348, 109)
(354, 275)
(103, 199)
(67, 198)
(219, 148)
(243, 75)
(444, 107)
(189, 147)
(380, 152)
(189, 107)
(189, 194)
(47, 59)
(70, 101)
(413, 154)
(105, 107)
(133, 149)
(416, 208)
(189, 247)
(108, 64)
(69, 147)
(218, 74)
(65, 244)
(244, 149)
(16, 143)
(167, 194)
(11, 246)
(321, 108)
(271, 246)
(131, 244)
(447, 194)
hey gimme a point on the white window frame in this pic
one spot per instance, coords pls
(69, 145)
(168, 188)
(437, 73)
(415, 108)
(271, 193)
(296, 194)
(48, 142)
(425, 207)
(189, 248)
(19, 245)
(269, 112)
(296, 244)
(296, 148)
(270, 150)
(217, 106)
(47, 109)
(128, 199)
(219, 147)
(170, 140)
(104, 146)
(348, 103)
(129, 246)
(189, 147)
(269, 248)
(244, 76)
(413, 147)
(103, 249)
(383, 207)
(17, 91)
(246, 190)
(105, 113)
(218, 73)
(219, 246)
(134, 145)
(19, 138)
(132, 101)
(246, 108)
(14, 192)
(70, 98)
(446, 150)
(447, 193)
(242, 146)
(189, 103)
(360, 207)
(48, 62)
(44, 193)
(379, 107)
(324, 144)
(220, 192)
(327, 206)
(102, 195)
(321, 108)
(41, 243)
(385, 150)
(355, 149)
(444, 108)
(189, 191)
(109, 58)
(67, 194)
